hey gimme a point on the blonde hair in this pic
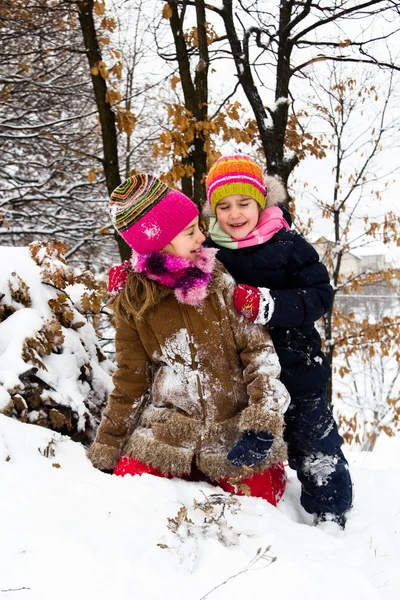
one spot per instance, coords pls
(138, 295)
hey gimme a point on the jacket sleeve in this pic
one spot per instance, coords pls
(310, 295)
(268, 397)
(131, 385)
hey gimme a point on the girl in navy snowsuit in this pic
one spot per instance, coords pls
(283, 285)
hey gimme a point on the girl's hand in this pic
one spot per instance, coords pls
(247, 301)
(251, 449)
(117, 277)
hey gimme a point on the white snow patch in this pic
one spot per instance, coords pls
(151, 231)
(112, 535)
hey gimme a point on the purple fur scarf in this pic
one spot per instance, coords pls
(189, 279)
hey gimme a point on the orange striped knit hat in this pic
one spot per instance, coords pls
(235, 174)
(148, 214)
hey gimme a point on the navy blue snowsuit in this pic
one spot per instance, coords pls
(299, 284)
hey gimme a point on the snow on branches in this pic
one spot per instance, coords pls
(52, 370)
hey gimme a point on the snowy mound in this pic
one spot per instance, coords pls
(69, 531)
(52, 370)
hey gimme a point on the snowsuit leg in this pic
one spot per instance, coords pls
(314, 453)
(269, 485)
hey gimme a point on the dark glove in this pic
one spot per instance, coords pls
(251, 449)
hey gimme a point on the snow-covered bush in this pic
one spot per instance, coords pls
(52, 370)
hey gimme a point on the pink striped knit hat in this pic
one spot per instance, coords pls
(148, 214)
(235, 174)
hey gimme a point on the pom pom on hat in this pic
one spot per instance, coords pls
(148, 214)
(235, 174)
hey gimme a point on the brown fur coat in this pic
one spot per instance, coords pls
(190, 380)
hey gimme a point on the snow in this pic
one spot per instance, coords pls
(24, 323)
(68, 530)
(151, 231)
(268, 123)
(180, 379)
(60, 371)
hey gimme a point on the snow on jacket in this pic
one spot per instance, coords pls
(299, 285)
(190, 380)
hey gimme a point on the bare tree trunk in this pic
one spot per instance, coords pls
(272, 137)
(195, 94)
(201, 108)
(106, 114)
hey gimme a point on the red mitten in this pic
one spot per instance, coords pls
(117, 277)
(247, 301)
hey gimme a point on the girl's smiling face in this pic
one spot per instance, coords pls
(188, 242)
(237, 215)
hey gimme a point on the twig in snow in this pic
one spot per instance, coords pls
(260, 555)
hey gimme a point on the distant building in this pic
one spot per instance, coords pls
(373, 262)
(378, 299)
(350, 264)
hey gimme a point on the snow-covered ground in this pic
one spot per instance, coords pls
(69, 531)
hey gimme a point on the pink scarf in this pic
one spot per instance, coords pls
(270, 222)
(189, 279)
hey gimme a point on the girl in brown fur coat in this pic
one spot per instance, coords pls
(197, 390)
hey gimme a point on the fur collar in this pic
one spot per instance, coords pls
(121, 276)
(276, 192)
(188, 279)
(217, 282)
